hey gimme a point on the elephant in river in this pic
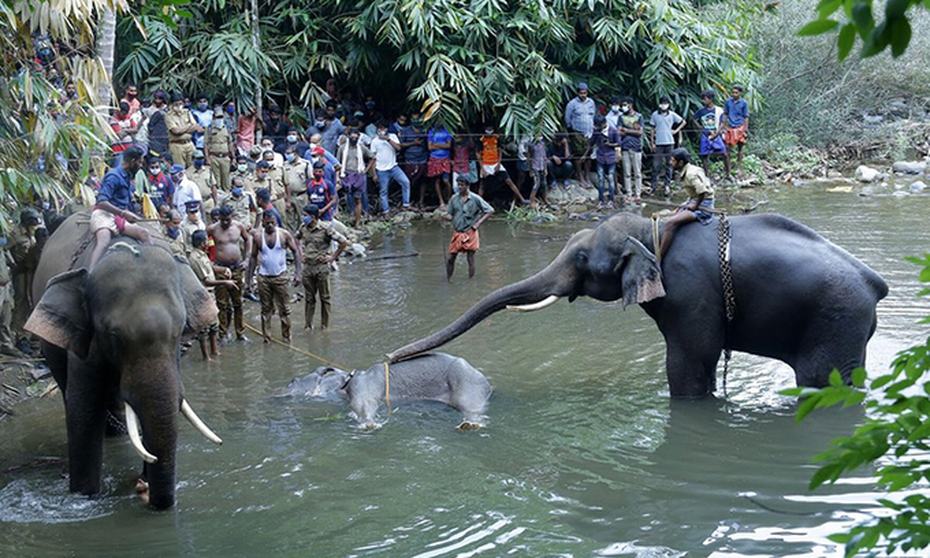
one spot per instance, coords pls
(799, 298)
(111, 337)
(436, 377)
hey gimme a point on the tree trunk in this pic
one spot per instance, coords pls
(256, 44)
(106, 42)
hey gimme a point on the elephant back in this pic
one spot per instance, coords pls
(71, 245)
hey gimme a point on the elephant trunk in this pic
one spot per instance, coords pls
(538, 288)
(156, 399)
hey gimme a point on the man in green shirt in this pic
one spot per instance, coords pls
(700, 204)
(467, 211)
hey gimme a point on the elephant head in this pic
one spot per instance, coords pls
(123, 323)
(607, 263)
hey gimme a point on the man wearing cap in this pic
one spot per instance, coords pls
(203, 114)
(579, 117)
(241, 203)
(112, 216)
(218, 145)
(230, 236)
(467, 211)
(201, 174)
(316, 237)
(185, 189)
(181, 128)
(193, 222)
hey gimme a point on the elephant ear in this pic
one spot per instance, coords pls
(199, 305)
(639, 273)
(61, 316)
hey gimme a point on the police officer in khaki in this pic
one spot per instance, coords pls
(7, 346)
(23, 249)
(297, 172)
(202, 175)
(181, 127)
(218, 144)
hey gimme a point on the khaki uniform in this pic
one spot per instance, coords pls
(296, 176)
(188, 228)
(22, 247)
(6, 303)
(177, 245)
(245, 176)
(242, 209)
(218, 143)
(315, 243)
(274, 182)
(203, 269)
(694, 182)
(180, 145)
(203, 177)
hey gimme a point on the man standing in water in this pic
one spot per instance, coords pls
(227, 234)
(316, 237)
(466, 211)
(269, 251)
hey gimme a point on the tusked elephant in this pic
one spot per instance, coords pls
(799, 298)
(112, 341)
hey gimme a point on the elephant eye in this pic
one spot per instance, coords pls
(581, 258)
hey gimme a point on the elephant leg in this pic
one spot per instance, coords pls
(86, 407)
(828, 346)
(57, 360)
(691, 365)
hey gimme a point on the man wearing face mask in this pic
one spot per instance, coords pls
(159, 188)
(294, 140)
(131, 98)
(666, 124)
(174, 234)
(185, 189)
(579, 117)
(316, 237)
(328, 126)
(112, 215)
(242, 203)
(201, 174)
(181, 128)
(297, 173)
(631, 142)
(242, 172)
(219, 149)
(322, 194)
(275, 181)
(203, 114)
(157, 129)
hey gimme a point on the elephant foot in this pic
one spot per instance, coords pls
(468, 426)
(142, 489)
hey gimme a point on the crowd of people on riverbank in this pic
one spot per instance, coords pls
(235, 190)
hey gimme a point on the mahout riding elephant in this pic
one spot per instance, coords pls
(799, 298)
(111, 337)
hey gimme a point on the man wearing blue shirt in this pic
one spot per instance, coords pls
(112, 216)
(736, 124)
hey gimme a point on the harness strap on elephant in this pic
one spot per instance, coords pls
(729, 296)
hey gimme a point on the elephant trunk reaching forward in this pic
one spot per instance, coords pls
(799, 298)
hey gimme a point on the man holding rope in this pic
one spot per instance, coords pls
(700, 204)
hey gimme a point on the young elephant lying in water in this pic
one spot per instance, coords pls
(436, 377)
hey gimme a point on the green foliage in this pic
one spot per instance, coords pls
(895, 437)
(893, 31)
(460, 61)
(46, 146)
(523, 214)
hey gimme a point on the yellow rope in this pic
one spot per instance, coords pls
(387, 387)
(297, 349)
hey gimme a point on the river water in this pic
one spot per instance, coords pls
(584, 453)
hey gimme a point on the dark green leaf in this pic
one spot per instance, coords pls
(817, 27)
(862, 17)
(900, 38)
(845, 41)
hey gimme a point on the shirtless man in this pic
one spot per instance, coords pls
(227, 235)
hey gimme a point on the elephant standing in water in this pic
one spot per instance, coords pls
(799, 298)
(111, 338)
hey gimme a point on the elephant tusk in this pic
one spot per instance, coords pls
(132, 425)
(548, 301)
(191, 416)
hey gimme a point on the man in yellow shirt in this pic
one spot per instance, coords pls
(700, 204)
(181, 128)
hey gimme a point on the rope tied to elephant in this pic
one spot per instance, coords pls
(724, 235)
(387, 386)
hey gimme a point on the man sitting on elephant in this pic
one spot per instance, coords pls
(112, 215)
(700, 203)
